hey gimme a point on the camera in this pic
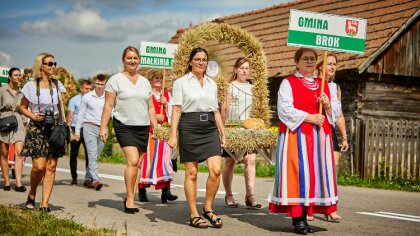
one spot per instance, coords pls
(48, 118)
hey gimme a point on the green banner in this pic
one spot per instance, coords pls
(326, 41)
(157, 62)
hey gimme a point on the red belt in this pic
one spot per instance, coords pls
(91, 123)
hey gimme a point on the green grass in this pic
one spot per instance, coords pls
(14, 221)
(380, 183)
(116, 158)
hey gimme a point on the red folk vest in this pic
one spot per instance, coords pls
(305, 99)
(157, 104)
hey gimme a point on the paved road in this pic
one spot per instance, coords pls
(364, 211)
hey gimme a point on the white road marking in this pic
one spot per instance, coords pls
(392, 216)
(116, 177)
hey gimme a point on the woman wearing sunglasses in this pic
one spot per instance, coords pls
(40, 103)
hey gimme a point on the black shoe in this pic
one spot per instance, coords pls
(6, 188)
(167, 195)
(74, 181)
(129, 210)
(305, 221)
(45, 209)
(300, 227)
(20, 189)
(143, 195)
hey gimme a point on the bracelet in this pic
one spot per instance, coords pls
(344, 139)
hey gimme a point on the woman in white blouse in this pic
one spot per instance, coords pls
(128, 97)
(238, 107)
(40, 96)
(201, 134)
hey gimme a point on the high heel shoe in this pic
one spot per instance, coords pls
(129, 210)
(252, 205)
(331, 218)
(231, 204)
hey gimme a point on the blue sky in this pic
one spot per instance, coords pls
(88, 36)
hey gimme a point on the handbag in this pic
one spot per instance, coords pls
(60, 134)
(8, 123)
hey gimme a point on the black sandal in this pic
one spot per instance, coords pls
(217, 223)
(30, 201)
(198, 222)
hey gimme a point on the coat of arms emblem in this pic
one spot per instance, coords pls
(352, 27)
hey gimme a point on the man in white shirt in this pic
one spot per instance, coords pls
(90, 119)
(73, 108)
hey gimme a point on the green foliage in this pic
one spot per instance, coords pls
(107, 151)
(14, 221)
(382, 183)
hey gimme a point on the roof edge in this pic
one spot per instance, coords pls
(374, 55)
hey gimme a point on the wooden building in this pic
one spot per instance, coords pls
(380, 89)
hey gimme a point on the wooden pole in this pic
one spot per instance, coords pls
(324, 70)
(163, 90)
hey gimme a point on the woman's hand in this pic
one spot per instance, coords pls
(173, 142)
(163, 100)
(325, 101)
(315, 119)
(160, 118)
(344, 145)
(103, 134)
(38, 117)
(223, 141)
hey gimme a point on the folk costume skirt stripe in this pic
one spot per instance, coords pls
(157, 165)
(131, 135)
(305, 174)
(198, 137)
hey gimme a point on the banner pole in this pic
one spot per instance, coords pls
(163, 90)
(324, 68)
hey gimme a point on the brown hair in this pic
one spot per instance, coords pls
(101, 77)
(300, 51)
(192, 54)
(239, 62)
(128, 49)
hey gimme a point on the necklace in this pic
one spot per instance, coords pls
(310, 84)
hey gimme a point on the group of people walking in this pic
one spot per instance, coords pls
(305, 180)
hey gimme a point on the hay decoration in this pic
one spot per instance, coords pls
(236, 138)
(67, 79)
(235, 36)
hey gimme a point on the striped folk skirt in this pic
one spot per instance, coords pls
(157, 167)
(305, 177)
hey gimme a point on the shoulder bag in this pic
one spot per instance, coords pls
(9, 123)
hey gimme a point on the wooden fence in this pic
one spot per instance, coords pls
(388, 148)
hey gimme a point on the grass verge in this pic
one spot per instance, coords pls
(381, 183)
(14, 221)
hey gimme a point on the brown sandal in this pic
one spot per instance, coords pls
(231, 204)
(252, 205)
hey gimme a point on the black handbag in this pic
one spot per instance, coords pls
(60, 134)
(8, 123)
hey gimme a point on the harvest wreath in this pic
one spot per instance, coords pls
(238, 138)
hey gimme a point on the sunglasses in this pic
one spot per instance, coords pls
(50, 64)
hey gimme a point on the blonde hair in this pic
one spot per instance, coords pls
(239, 62)
(39, 59)
(320, 63)
(154, 72)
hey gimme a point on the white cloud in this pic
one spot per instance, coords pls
(6, 59)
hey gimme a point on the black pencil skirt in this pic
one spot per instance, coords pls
(131, 135)
(198, 137)
(335, 140)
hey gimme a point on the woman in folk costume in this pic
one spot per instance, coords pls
(157, 166)
(305, 176)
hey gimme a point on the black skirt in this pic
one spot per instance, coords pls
(335, 140)
(198, 137)
(131, 135)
